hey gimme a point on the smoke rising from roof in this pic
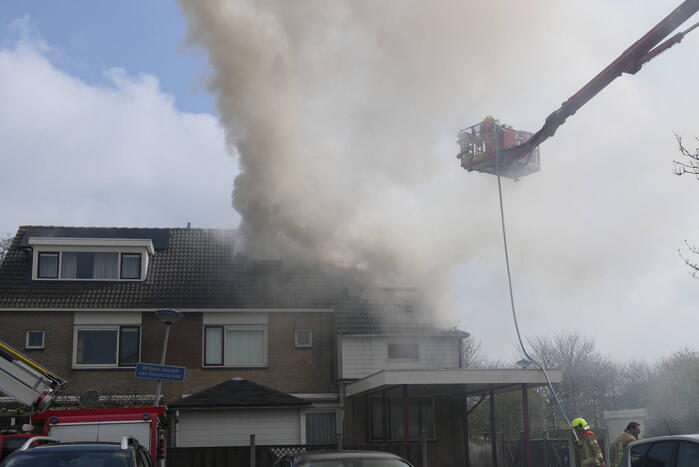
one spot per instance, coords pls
(344, 115)
(335, 109)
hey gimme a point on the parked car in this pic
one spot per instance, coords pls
(343, 459)
(42, 451)
(663, 451)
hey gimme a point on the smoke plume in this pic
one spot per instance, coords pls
(343, 114)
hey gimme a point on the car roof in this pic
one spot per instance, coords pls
(688, 437)
(77, 446)
(331, 455)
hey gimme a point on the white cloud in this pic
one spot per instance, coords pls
(119, 154)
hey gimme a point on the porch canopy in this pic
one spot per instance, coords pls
(468, 381)
(457, 384)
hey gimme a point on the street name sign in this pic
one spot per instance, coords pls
(162, 372)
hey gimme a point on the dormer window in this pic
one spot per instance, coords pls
(90, 259)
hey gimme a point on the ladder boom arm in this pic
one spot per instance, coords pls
(630, 61)
(26, 381)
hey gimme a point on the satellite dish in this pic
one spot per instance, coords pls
(89, 399)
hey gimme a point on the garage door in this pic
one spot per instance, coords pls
(197, 428)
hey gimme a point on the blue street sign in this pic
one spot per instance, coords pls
(163, 372)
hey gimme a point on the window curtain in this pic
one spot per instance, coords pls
(105, 266)
(245, 347)
(69, 265)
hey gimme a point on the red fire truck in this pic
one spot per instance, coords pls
(147, 424)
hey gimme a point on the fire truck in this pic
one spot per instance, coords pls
(36, 388)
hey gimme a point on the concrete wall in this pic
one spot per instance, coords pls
(290, 369)
(362, 356)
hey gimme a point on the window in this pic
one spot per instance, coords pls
(660, 454)
(688, 454)
(321, 428)
(637, 453)
(403, 351)
(48, 266)
(90, 265)
(131, 265)
(303, 338)
(235, 346)
(34, 340)
(107, 346)
(387, 422)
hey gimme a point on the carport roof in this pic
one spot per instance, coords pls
(238, 393)
(470, 381)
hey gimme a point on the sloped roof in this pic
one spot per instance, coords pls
(238, 393)
(387, 319)
(192, 268)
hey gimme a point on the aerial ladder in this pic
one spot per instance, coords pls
(494, 148)
(26, 381)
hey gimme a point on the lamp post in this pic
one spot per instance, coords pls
(168, 316)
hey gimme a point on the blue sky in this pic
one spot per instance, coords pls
(106, 120)
(88, 37)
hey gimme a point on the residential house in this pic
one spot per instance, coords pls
(283, 352)
(82, 302)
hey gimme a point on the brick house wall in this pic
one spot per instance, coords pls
(290, 369)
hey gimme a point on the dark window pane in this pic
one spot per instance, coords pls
(688, 454)
(85, 264)
(129, 338)
(427, 419)
(408, 351)
(10, 445)
(48, 265)
(320, 428)
(35, 339)
(376, 419)
(637, 453)
(396, 420)
(131, 266)
(96, 347)
(660, 454)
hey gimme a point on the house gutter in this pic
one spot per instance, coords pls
(302, 406)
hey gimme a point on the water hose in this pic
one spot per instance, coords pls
(512, 300)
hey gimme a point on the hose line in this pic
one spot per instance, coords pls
(512, 299)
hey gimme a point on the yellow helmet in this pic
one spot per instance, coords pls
(580, 424)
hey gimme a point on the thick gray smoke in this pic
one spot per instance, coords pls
(344, 114)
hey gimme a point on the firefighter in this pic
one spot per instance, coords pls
(590, 452)
(631, 433)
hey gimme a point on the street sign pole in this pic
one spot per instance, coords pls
(156, 402)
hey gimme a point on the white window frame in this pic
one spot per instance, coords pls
(236, 327)
(34, 347)
(296, 338)
(90, 245)
(105, 327)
